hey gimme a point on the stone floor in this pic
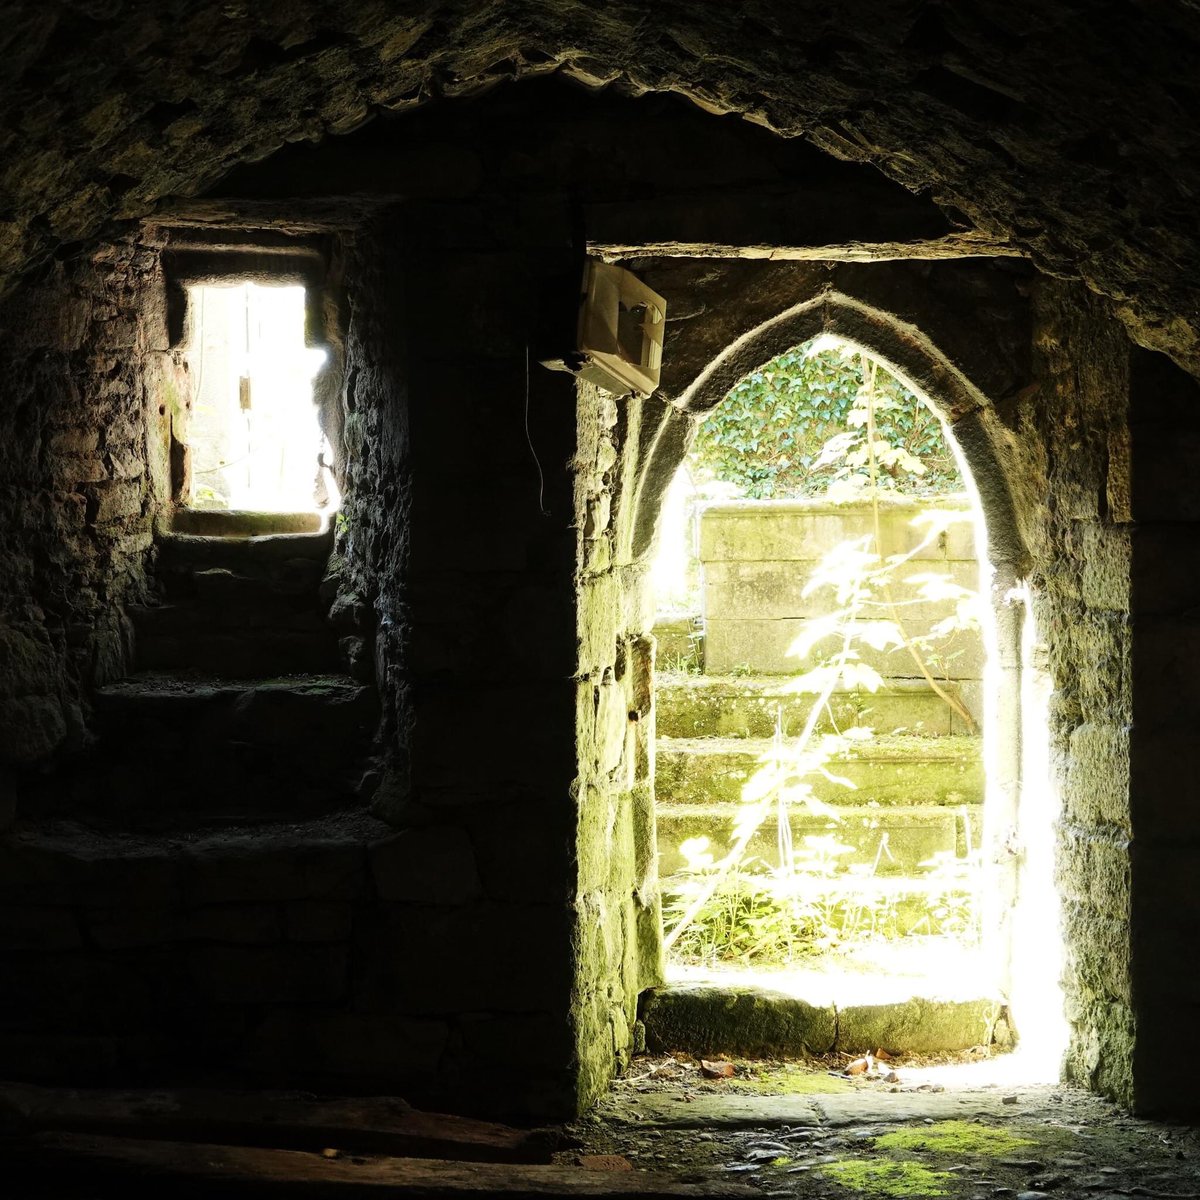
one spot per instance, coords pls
(955, 1131)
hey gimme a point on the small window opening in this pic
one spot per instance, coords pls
(255, 436)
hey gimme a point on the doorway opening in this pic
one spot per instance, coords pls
(838, 752)
(255, 438)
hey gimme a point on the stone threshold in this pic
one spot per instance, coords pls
(756, 1022)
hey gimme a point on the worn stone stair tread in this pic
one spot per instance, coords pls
(273, 548)
(281, 1120)
(688, 705)
(200, 1169)
(285, 610)
(882, 748)
(184, 686)
(241, 522)
(776, 685)
(267, 652)
(344, 831)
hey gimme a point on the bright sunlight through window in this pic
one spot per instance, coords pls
(255, 438)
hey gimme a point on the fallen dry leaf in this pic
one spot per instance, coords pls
(716, 1070)
(604, 1162)
(883, 1056)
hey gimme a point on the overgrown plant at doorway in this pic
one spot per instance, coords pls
(737, 907)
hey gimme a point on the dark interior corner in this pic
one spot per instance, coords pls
(361, 802)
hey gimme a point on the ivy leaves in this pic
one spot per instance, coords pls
(795, 427)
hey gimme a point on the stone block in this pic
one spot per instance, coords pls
(1165, 569)
(518, 735)
(1098, 776)
(31, 727)
(1096, 960)
(115, 500)
(239, 870)
(696, 706)
(426, 866)
(540, 834)
(383, 1048)
(765, 647)
(129, 928)
(776, 590)
(114, 875)
(756, 1022)
(541, 1041)
(67, 1058)
(1093, 868)
(413, 959)
(38, 928)
(917, 1026)
(783, 530)
(293, 974)
(317, 921)
(1166, 688)
(1163, 454)
(891, 770)
(237, 924)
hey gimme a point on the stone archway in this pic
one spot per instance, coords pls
(1012, 730)
(884, 307)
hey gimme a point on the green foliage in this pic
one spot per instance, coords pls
(794, 427)
(757, 914)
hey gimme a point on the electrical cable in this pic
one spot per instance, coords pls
(529, 441)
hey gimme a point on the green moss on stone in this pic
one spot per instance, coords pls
(888, 1177)
(792, 1081)
(954, 1138)
(747, 1021)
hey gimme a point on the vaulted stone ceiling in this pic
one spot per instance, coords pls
(1070, 129)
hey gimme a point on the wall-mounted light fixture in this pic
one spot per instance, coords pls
(621, 323)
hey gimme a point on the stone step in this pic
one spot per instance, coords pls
(256, 653)
(220, 585)
(241, 523)
(885, 770)
(250, 609)
(693, 706)
(894, 841)
(761, 1023)
(175, 750)
(259, 554)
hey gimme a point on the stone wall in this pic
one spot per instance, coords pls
(1072, 464)
(757, 557)
(1164, 416)
(481, 937)
(89, 393)
(1045, 439)
(618, 901)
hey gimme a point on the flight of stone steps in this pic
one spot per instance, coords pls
(240, 710)
(918, 781)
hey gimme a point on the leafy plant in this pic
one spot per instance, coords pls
(788, 429)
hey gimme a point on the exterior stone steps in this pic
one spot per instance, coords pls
(897, 840)
(221, 751)
(702, 706)
(886, 771)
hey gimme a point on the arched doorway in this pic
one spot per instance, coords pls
(1023, 941)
